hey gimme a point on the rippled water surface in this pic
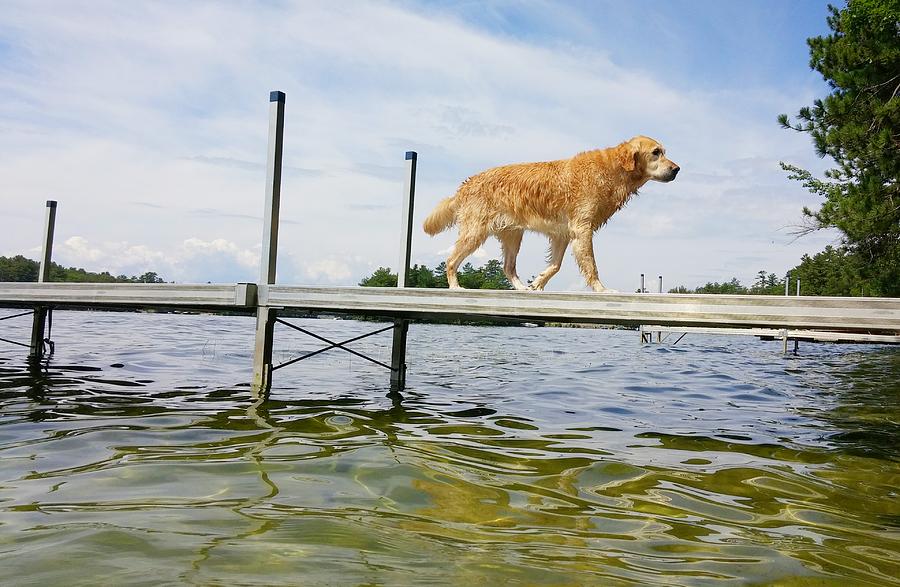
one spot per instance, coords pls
(541, 456)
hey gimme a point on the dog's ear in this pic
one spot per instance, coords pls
(627, 155)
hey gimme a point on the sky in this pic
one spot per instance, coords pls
(148, 122)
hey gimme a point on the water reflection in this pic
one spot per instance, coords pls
(687, 466)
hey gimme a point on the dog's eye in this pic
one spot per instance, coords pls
(657, 152)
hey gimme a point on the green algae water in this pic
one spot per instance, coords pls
(542, 456)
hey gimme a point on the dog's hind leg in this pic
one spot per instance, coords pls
(510, 241)
(465, 245)
(583, 250)
(554, 258)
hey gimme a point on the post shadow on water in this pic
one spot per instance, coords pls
(40, 379)
(260, 411)
(48, 381)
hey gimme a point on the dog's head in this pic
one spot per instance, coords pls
(646, 156)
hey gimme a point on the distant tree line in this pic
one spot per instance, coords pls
(21, 268)
(765, 284)
(833, 272)
(488, 276)
(828, 273)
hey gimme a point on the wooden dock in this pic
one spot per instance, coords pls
(871, 320)
(234, 297)
(872, 316)
(787, 317)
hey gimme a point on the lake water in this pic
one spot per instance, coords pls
(516, 456)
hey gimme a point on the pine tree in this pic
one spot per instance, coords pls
(381, 278)
(490, 276)
(858, 125)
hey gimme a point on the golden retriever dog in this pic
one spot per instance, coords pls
(567, 200)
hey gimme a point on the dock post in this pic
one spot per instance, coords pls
(787, 283)
(265, 315)
(797, 342)
(401, 325)
(36, 348)
(659, 333)
(642, 284)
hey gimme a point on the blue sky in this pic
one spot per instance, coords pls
(147, 122)
(688, 43)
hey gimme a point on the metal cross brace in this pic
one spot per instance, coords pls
(16, 316)
(332, 345)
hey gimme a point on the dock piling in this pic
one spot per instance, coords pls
(265, 315)
(41, 313)
(659, 333)
(797, 342)
(401, 325)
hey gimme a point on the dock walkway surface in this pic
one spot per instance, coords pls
(846, 315)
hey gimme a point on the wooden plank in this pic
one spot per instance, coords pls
(213, 296)
(810, 335)
(876, 315)
(712, 330)
(814, 335)
(866, 315)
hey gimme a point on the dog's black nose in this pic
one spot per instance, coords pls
(675, 170)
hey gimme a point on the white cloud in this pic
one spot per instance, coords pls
(332, 270)
(194, 247)
(221, 260)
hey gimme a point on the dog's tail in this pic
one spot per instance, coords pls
(442, 217)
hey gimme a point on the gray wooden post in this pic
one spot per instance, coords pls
(659, 333)
(401, 326)
(36, 349)
(797, 342)
(265, 315)
(642, 283)
(787, 283)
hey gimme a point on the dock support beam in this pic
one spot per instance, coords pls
(401, 326)
(265, 315)
(38, 326)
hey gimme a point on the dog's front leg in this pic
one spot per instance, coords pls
(555, 256)
(583, 250)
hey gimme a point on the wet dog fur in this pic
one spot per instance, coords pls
(567, 200)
